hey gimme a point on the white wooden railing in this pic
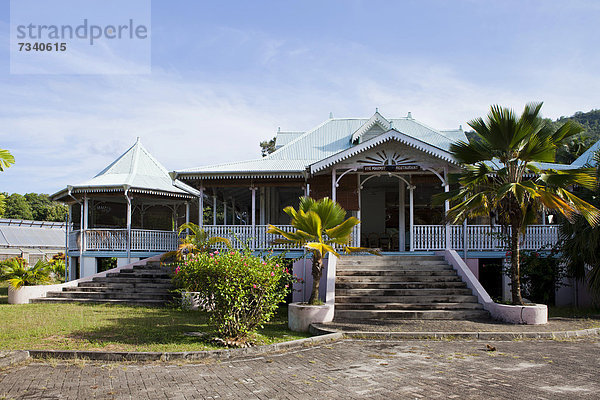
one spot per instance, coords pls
(116, 240)
(482, 237)
(426, 238)
(257, 238)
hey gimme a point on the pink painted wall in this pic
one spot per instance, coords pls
(303, 269)
(473, 264)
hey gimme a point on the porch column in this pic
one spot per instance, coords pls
(84, 222)
(358, 214)
(402, 218)
(446, 209)
(411, 189)
(333, 184)
(81, 232)
(214, 209)
(201, 208)
(262, 206)
(465, 238)
(68, 231)
(307, 190)
(224, 211)
(187, 215)
(253, 189)
(232, 211)
(128, 228)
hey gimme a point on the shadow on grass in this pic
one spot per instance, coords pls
(161, 329)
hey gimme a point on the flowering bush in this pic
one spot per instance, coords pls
(241, 291)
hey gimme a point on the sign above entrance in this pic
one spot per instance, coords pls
(390, 168)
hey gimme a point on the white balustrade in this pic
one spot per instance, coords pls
(426, 238)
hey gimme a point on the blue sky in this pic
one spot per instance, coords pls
(226, 74)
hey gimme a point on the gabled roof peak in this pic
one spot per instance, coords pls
(376, 119)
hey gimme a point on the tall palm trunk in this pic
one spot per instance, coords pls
(317, 271)
(515, 274)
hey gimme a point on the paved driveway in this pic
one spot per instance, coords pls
(349, 369)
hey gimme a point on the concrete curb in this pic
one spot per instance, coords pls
(12, 357)
(319, 329)
(188, 355)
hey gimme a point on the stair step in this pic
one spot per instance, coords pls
(110, 295)
(396, 272)
(411, 314)
(110, 289)
(387, 264)
(406, 299)
(398, 278)
(125, 279)
(125, 285)
(400, 285)
(403, 292)
(145, 303)
(399, 258)
(408, 306)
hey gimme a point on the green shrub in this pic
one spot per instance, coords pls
(18, 273)
(542, 273)
(241, 291)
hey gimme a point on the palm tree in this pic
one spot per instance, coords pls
(18, 273)
(503, 175)
(320, 226)
(580, 242)
(6, 159)
(196, 241)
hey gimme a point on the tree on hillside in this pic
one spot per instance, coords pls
(267, 147)
(17, 207)
(500, 176)
(44, 209)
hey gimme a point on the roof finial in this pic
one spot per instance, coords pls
(278, 129)
(137, 140)
(330, 115)
(376, 109)
(409, 116)
(391, 124)
(460, 127)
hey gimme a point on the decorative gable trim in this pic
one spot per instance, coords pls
(391, 135)
(376, 119)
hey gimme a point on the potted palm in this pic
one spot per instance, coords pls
(320, 227)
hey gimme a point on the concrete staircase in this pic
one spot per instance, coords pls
(141, 285)
(402, 287)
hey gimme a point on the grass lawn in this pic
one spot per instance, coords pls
(114, 328)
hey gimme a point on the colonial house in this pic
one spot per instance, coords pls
(381, 170)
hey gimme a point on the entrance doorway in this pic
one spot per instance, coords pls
(383, 215)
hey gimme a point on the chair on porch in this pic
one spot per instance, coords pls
(384, 241)
(395, 243)
(373, 240)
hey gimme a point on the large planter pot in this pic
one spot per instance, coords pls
(534, 314)
(190, 300)
(301, 315)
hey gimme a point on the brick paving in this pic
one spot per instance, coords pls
(347, 369)
(484, 325)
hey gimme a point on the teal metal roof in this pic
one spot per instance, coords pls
(331, 137)
(587, 156)
(284, 138)
(136, 170)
